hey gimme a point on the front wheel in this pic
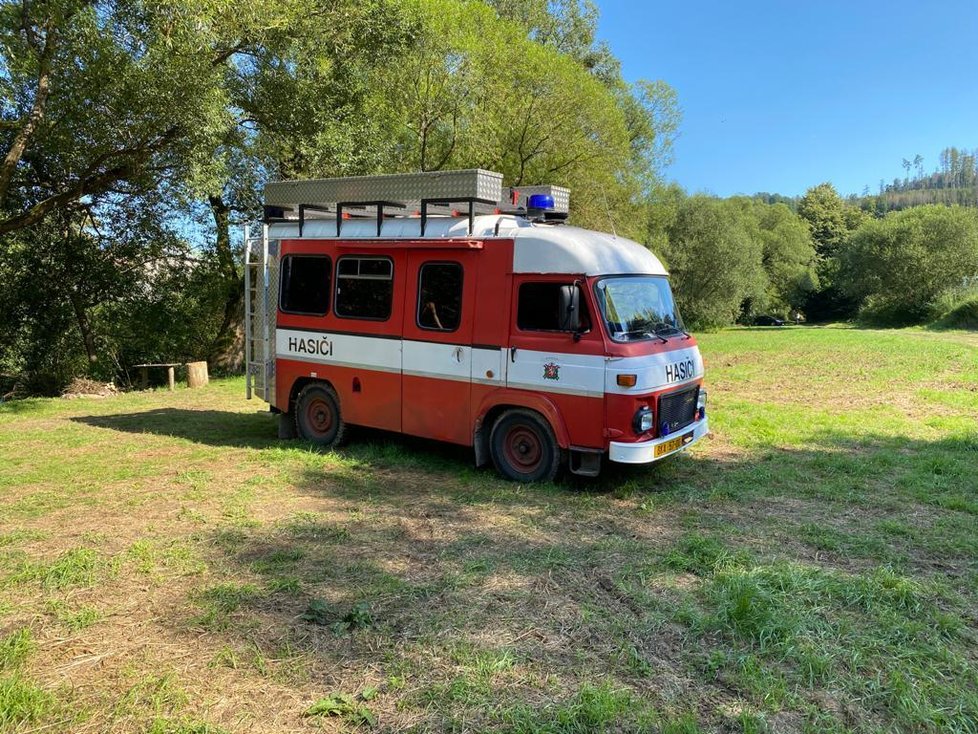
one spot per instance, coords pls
(317, 416)
(523, 447)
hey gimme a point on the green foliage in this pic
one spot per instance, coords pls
(479, 90)
(899, 266)
(788, 257)
(768, 247)
(127, 175)
(961, 316)
(832, 221)
(825, 212)
(714, 262)
(348, 707)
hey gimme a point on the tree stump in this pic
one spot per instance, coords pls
(196, 374)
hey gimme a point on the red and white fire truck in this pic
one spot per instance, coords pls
(444, 306)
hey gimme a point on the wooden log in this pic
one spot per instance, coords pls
(196, 374)
(170, 378)
(144, 378)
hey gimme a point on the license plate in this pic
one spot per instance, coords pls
(667, 447)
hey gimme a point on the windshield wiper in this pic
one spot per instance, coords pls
(646, 332)
(674, 330)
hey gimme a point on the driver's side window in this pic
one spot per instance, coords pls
(538, 307)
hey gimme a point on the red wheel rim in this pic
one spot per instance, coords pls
(523, 449)
(319, 415)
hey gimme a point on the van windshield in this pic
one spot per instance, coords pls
(636, 308)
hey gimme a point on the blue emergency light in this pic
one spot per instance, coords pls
(540, 201)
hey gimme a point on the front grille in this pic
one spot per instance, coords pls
(678, 409)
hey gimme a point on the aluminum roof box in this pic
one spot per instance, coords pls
(406, 189)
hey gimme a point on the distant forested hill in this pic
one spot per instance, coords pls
(953, 181)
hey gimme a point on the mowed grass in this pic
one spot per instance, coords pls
(168, 566)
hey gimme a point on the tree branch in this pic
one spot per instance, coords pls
(91, 182)
(19, 144)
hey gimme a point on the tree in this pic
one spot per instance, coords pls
(831, 221)
(110, 96)
(898, 266)
(788, 257)
(569, 27)
(825, 212)
(715, 264)
(303, 102)
(476, 90)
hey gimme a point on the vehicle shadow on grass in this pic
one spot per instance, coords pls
(365, 446)
(210, 427)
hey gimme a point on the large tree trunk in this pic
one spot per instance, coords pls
(85, 327)
(226, 351)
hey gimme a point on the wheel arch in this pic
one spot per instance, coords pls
(300, 384)
(494, 406)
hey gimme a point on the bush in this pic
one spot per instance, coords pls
(887, 313)
(963, 316)
(899, 267)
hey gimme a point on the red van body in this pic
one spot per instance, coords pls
(491, 371)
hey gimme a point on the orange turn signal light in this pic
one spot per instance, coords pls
(627, 380)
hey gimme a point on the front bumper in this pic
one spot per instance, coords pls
(643, 452)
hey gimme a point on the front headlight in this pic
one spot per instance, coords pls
(643, 421)
(701, 404)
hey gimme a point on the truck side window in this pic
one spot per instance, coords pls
(440, 296)
(538, 306)
(364, 287)
(305, 284)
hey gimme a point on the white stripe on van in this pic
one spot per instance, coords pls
(586, 375)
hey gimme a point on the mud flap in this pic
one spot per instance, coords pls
(585, 462)
(286, 426)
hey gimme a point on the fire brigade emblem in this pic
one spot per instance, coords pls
(551, 371)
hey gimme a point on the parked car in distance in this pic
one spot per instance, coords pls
(768, 321)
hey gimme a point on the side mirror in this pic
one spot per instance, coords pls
(569, 318)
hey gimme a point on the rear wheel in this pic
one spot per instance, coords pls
(317, 415)
(523, 447)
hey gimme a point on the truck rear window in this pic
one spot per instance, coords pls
(305, 283)
(364, 287)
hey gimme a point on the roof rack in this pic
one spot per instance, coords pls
(405, 194)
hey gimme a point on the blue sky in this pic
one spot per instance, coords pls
(780, 96)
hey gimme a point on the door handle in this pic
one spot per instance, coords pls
(458, 354)
(512, 354)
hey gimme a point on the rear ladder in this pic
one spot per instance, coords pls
(259, 349)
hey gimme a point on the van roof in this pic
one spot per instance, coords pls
(538, 248)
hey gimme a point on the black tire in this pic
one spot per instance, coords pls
(523, 447)
(318, 417)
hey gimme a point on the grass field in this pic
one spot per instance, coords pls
(168, 566)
